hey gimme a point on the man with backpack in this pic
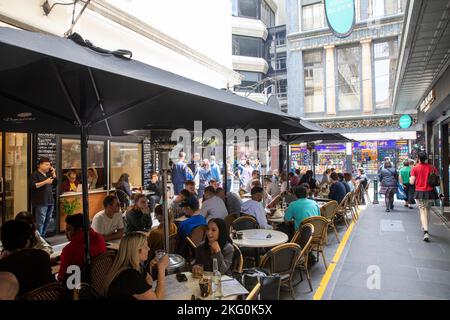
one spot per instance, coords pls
(425, 178)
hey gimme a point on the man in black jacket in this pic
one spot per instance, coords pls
(156, 188)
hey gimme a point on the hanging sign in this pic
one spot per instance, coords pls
(340, 16)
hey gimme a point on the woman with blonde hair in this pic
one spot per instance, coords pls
(127, 279)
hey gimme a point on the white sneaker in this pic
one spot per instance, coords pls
(426, 237)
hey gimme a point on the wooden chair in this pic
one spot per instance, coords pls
(319, 235)
(86, 292)
(237, 264)
(253, 295)
(353, 203)
(229, 220)
(100, 267)
(172, 242)
(49, 292)
(328, 210)
(282, 260)
(303, 237)
(244, 223)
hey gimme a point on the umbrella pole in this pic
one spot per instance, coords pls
(84, 175)
(224, 160)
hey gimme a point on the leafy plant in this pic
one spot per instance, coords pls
(68, 206)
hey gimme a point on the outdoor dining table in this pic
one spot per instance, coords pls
(280, 219)
(181, 219)
(175, 290)
(261, 238)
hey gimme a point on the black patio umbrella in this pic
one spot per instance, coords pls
(325, 135)
(57, 85)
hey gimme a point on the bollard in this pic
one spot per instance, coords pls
(375, 190)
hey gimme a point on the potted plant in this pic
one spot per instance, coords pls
(69, 206)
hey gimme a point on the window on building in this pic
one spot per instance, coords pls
(247, 46)
(71, 161)
(280, 38)
(364, 9)
(267, 14)
(349, 78)
(249, 81)
(385, 63)
(278, 62)
(126, 158)
(282, 88)
(312, 16)
(314, 81)
(249, 8)
(381, 8)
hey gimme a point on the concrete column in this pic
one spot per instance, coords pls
(330, 80)
(367, 76)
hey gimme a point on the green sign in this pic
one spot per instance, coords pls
(405, 121)
(340, 16)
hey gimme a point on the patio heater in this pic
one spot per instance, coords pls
(164, 148)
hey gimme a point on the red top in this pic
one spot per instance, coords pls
(421, 171)
(73, 253)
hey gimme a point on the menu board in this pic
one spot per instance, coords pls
(46, 147)
(147, 162)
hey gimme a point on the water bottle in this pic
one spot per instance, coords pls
(217, 284)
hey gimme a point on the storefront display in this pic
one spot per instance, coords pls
(330, 156)
(300, 157)
(365, 155)
(402, 152)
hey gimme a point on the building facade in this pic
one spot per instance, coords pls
(259, 49)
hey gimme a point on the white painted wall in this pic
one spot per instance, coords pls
(202, 25)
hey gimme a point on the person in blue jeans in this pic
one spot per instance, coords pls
(179, 173)
(42, 182)
(215, 171)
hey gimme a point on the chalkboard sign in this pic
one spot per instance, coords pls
(46, 147)
(147, 162)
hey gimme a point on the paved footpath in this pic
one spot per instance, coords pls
(385, 252)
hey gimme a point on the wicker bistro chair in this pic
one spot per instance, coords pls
(366, 190)
(303, 237)
(282, 260)
(49, 292)
(196, 237)
(319, 235)
(229, 219)
(353, 204)
(86, 292)
(244, 223)
(253, 295)
(100, 267)
(237, 265)
(342, 209)
(328, 210)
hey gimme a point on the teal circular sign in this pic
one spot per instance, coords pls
(405, 121)
(340, 16)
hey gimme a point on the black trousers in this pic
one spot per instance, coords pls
(409, 190)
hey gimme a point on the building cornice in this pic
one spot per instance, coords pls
(388, 27)
(126, 20)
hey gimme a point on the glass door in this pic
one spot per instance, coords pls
(14, 186)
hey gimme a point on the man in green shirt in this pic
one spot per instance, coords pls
(404, 174)
(301, 208)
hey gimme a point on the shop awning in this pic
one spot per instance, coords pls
(53, 84)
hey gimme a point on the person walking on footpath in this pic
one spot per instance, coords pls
(388, 179)
(404, 175)
(423, 177)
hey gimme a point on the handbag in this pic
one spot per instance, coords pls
(270, 284)
(401, 194)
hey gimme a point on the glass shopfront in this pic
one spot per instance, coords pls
(13, 174)
(331, 156)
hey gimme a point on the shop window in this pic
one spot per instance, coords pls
(126, 158)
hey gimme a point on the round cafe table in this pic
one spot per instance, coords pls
(257, 238)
